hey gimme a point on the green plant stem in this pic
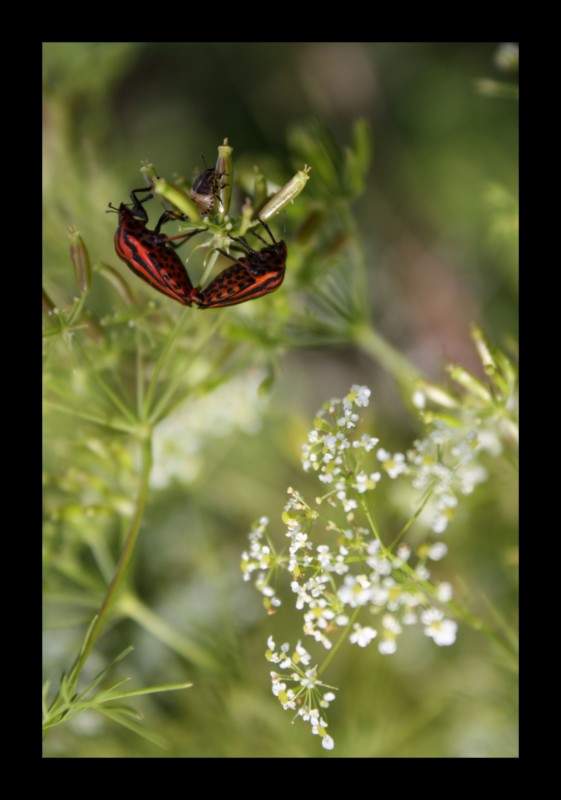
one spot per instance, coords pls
(339, 642)
(426, 497)
(459, 611)
(209, 267)
(122, 565)
(375, 346)
(116, 426)
(139, 375)
(75, 315)
(130, 605)
(162, 360)
(104, 386)
(156, 414)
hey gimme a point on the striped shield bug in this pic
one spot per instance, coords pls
(149, 253)
(256, 273)
(205, 190)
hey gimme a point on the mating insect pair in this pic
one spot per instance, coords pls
(151, 255)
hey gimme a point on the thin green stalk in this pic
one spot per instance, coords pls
(130, 605)
(374, 527)
(459, 611)
(426, 497)
(163, 358)
(168, 394)
(375, 346)
(77, 309)
(339, 642)
(117, 426)
(213, 258)
(139, 375)
(104, 386)
(122, 565)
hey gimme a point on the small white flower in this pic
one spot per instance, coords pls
(365, 482)
(437, 551)
(355, 590)
(327, 743)
(387, 647)
(441, 631)
(362, 636)
(419, 399)
(394, 465)
(444, 592)
(403, 552)
(367, 443)
(303, 656)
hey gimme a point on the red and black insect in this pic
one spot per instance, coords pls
(256, 273)
(150, 254)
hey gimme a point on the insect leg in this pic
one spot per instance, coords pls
(184, 237)
(259, 237)
(245, 245)
(267, 229)
(137, 204)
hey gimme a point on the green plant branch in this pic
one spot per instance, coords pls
(162, 360)
(116, 426)
(339, 642)
(379, 349)
(459, 611)
(131, 606)
(104, 386)
(122, 565)
(167, 395)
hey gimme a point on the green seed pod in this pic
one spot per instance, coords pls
(225, 169)
(148, 170)
(48, 305)
(80, 259)
(484, 352)
(247, 214)
(465, 379)
(260, 189)
(177, 198)
(117, 282)
(286, 195)
(437, 394)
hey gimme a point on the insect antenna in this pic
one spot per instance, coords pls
(111, 209)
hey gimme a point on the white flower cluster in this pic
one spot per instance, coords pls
(446, 463)
(335, 456)
(181, 437)
(351, 573)
(260, 558)
(299, 689)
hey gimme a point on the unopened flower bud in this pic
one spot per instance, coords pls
(80, 259)
(224, 169)
(177, 198)
(117, 282)
(260, 189)
(48, 305)
(483, 349)
(465, 379)
(437, 394)
(287, 194)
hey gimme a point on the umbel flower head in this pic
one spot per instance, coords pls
(347, 585)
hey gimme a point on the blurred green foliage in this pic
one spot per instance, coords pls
(436, 221)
